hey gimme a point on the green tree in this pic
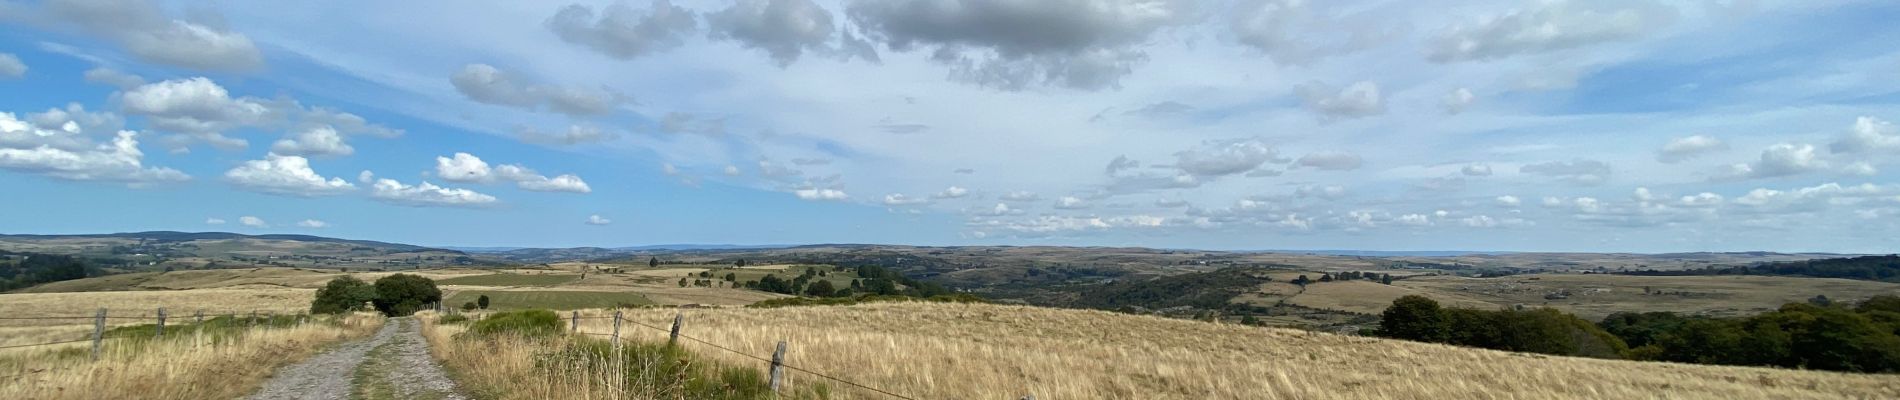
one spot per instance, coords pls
(653, 262)
(740, 263)
(1413, 317)
(1385, 278)
(342, 295)
(404, 294)
(482, 301)
(732, 277)
(682, 282)
(821, 289)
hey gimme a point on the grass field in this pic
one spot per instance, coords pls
(510, 280)
(1594, 296)
(934, 350)
(551, 299)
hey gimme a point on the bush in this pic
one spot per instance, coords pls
(532, 323)
(403, 294)
(452, 319)
(482, 302)
(342, 295)
(1415, 317)
(468, 306)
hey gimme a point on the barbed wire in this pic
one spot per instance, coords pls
(47, 344)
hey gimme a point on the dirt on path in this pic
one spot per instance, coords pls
(394, 363)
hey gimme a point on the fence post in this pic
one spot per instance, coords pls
(161, 323)
(253, 320)
(575, 327)
(778, 366)
(678, 319)
(98, 332)
(201, 318)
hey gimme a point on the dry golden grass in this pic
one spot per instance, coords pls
(1594, 296)
(177, 303)
(185, 366)
(933, 350)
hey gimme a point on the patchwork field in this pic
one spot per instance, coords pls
(1594, 296)
(554, 300)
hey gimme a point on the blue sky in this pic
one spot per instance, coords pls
(1644, 126)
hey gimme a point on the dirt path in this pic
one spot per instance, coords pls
(394, 363)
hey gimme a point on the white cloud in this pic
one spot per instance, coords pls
(1579, 171)
(952, 192)
(1687, 147)
(427, 195)
(1331, 161)
(1476, 170)
(68, 153)
(313, 224)
(622, 32)
(463, 167)
(253, 222)
(114, 78)
(1861, 168)
(1020, 196)
(1360, 99)
(1123, 163)
(1458, 101)
(999, 210)
(1071, 203)
(732, 170)
(145, 32)
(596, 219)
(1414, 220)
(1549, 26)
(573, 135)
(1868, 135)
(1215, 158)
(467, 168)
(11, 67)
(284, 175)
(821, 194)
(486, 84)
(214, 221)
(1509, 201)
(195, 106)
(899, 199)
(1779, 160)
(318, 141)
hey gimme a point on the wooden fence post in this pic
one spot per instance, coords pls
(778, 366)
(616, 336)
(98, 332)
(161, 323)
(253, 320)
(201, 318)
(678, 319)
(575, 327)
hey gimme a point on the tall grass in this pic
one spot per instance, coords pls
(218, 359)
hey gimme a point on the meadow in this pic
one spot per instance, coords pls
(551, 299)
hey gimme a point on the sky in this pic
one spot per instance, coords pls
(1601, 126)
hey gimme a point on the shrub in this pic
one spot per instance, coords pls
(482, 302)
(404, 294)
(452, 319)
(531, 323)
(1414, 317)
(468, 306)
(344, 294)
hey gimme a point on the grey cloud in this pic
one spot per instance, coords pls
(786, 29)
(1361, 99)
(145, 32)
(1010, 45)
(622, 32)
(1224, 157)
(1785, 159)
(486, 84)
(1868, 134)
(1331, 160)
(1550, 26)
(1121, 163)
(112, 77)
(1160, 109)
(11, 67)
(679, 122)
(573, 135)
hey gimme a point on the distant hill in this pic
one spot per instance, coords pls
(174, 236)
(165, 250)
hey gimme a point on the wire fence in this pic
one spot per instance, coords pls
(776, 361)
(194, 322)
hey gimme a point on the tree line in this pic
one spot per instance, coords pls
(1871, 268)
(21, 270)
(1815, 335)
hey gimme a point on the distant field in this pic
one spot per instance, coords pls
(549, 299)
(1594, 296)
(510, 280)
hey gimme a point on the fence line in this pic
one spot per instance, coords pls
(776, 361)
(98, 336)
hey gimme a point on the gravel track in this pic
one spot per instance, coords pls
(330, 375)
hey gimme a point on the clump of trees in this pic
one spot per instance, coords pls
(1545, 331)
(19, 270)
(871, 279)
(1831, 336)
(394, 295)
(1873, 268)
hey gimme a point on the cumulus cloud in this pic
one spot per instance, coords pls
(899, 199)
(253, 222)
(1358, 100)
(467, 168)
(1071, 203)
(197, 107)
(1868, 135)
(596, 219)
(66, 150)
(285, 175)
(1292, 32)
(824, 194)
(1331, 161)
(1458, 100)
(1012, 45)
(1509, 201)
(732, 170)
(427, 195)
(1687, 147)
(320, 141)
(144, 31)
(1579, 171)
(11, 67)
(313, 224)
(1785, 159)
(1218, 157)
(786, 29)
(214, 221)
(1549, 26)
(1020, 196)
(952, 192)
(999, 210)
(486, 84)
(621, 31)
